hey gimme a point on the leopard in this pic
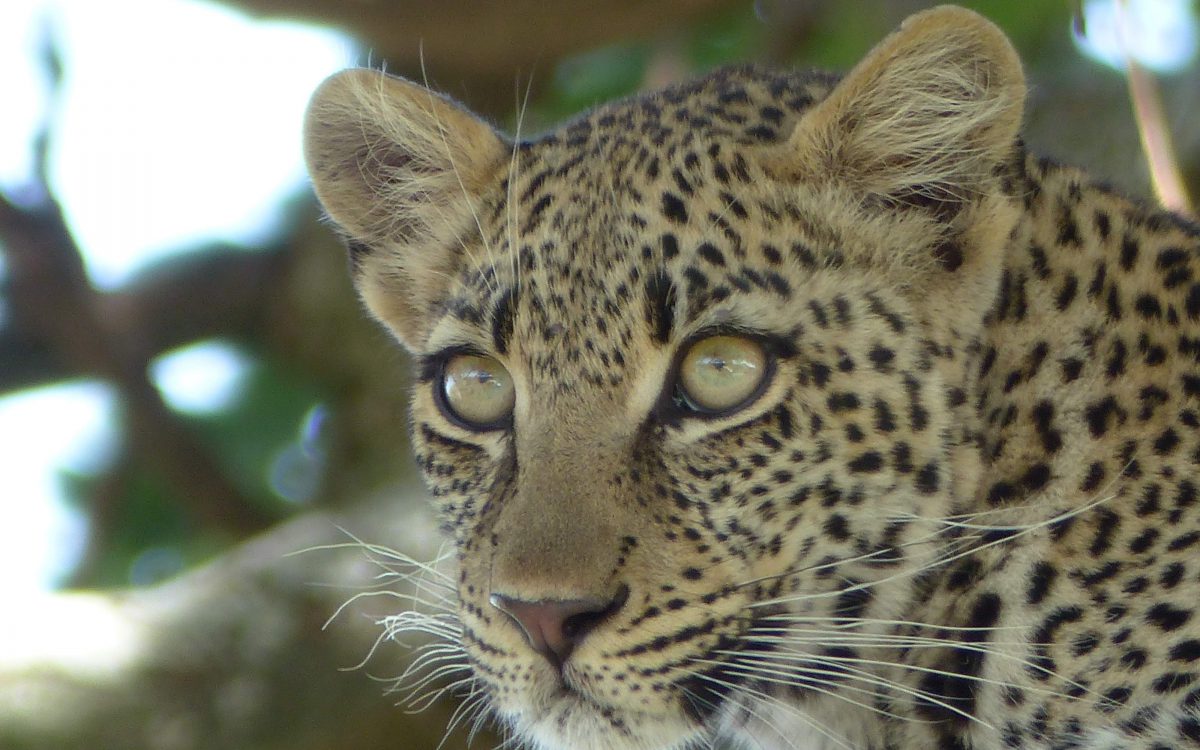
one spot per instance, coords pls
(790, 409)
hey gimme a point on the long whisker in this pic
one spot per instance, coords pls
(767, 698)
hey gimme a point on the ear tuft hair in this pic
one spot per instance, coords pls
(400, 169)
(925, 120)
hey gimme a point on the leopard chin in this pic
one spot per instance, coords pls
(575, 721)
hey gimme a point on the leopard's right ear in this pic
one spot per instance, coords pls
(401, 170)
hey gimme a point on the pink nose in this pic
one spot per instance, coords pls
(554, 627)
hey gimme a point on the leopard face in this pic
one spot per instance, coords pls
(632, 557)
(705, 393)
(684, 532)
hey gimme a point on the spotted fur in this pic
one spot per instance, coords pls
(961, 513)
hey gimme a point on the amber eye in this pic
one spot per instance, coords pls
(720, 373)
(477, 391)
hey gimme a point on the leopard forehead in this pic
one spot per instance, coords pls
(634, 223)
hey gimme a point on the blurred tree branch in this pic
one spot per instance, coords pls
(51, 298)
(483, 52)
(231, 656)
(213, 292)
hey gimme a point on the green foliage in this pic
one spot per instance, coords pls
(267, 416)
(732, 36)
(150, 535)
(594, 77)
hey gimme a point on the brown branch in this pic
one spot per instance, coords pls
(1153, 130)
(1156, 140)
(233, 654)
(216, 292)
(478, 51)
(48, 292)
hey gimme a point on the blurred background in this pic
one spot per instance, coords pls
(196, 420)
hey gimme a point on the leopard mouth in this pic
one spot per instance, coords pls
(573, 718)
(730, 667)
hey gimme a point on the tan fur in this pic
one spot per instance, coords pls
(926, 115)
(958, 512)
(400, 168)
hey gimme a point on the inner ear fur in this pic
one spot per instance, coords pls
(401, 169)
(925, 120)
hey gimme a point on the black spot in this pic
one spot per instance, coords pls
(1185, 496)
(853, 603)
(660, 306)
(843, 401)
(1190, 727)
(1043, 419)
(1148, 307)
(1144, 540)
(1038, 257)
(1106, 526)
(1095, 475)
(837, 528)
(1150, 502)
(681, 182)
(882, 357)
(1129, 252)
(779, 285)
(1085, 643)
(928, 478)
(1188, 650)
(1167, 617)
(804, 256)
(949, 255)
(819, 315)
(841, 310)
(1101, 414)
(674, 209)
(535, 213)
(869, 462)
(1172, 682)
(1193, 302)
(1036, 477)
(1166, 442)
(696, 280)
(1041, 578)
(1191, 385)
(1071, 367)
(964, 574)
(1117, 695)
(502, 320)
(1183, 541)
(1172, 575)
(1115, 366)
(1001, 492)
(1066, 293)
(1068, 230)
(670, 246)
(1134, 658)
(711, 254)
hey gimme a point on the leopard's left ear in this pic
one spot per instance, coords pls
(924, 120)
(401, 170)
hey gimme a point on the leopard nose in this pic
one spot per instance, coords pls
(554, 627)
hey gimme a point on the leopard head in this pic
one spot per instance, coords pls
(692, 369)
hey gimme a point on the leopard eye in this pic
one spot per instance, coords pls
(720, 373)
(476, 391)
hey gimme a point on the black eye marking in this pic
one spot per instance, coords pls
(660, 306)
